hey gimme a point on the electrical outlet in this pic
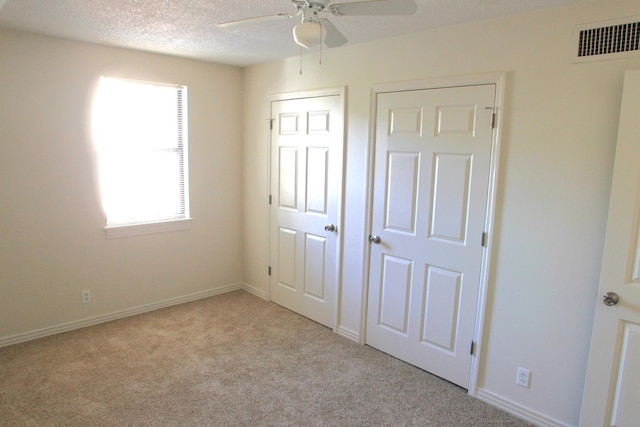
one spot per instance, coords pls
(522, 377)
(86, 296)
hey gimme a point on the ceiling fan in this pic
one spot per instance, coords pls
(314, 29)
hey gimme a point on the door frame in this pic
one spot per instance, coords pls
(438, 83)
(340, 91)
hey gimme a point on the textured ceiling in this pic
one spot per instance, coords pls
(188, 28)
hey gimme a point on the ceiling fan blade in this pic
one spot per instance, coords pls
(374, 7)
(255, 20)
(334, 37)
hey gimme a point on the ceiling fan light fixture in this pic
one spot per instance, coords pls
(309, 34)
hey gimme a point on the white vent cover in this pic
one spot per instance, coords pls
(607, 40)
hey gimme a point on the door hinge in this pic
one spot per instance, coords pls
(492, 122)
(473, 348)
(269, 198)
(485, 238)
(270, 124)
(269, 270)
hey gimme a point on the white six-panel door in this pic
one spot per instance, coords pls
(612, 390)
(307, 142)
(431, 179)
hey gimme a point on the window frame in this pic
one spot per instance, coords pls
(181, 220)
(142, 228)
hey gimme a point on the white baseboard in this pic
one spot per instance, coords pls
(90, 321)
(519, 411)
(255, 291)
(349, 334)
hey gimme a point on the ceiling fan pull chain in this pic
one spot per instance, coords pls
(300, 60)
(321, 41)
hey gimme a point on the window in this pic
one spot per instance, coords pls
(140, 134)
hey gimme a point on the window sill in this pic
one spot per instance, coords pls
(128, 230)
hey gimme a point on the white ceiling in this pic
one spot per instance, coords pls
(188, 28)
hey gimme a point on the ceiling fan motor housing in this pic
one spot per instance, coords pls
(310, 32)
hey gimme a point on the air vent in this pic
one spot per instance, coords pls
(607, 40)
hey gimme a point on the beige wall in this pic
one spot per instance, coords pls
(52, 242)
(558, 141)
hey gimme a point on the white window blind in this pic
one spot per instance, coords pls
(140, 132)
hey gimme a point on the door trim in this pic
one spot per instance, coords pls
(446, 82)
(340, 91)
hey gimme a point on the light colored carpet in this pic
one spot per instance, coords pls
(229, 360)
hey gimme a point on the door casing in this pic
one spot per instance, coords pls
(494, 78)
